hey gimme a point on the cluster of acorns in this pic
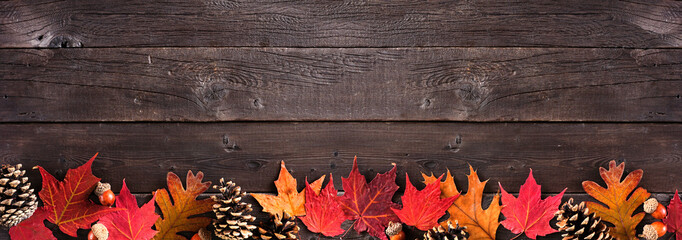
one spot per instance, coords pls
(106, 198)
(656, 229)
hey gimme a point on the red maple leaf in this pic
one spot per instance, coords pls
(422, 209)
(133, 223)
(32, 228)
(369, 204)
(529, 213)
(323, 212)
(674, 219)
(67, 201)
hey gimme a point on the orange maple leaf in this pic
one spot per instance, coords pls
(619, 208)
(288, 199)
(176, 214)
(468, 210)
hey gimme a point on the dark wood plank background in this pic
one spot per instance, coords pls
(233, 87)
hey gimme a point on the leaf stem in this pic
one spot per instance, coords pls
(516, 236)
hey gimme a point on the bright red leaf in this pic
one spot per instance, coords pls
(323, 212)
(133, 223)
(674, 219)
(67, 201)
(32, 228)
(529, 213)
(369, 204)
(422, 209)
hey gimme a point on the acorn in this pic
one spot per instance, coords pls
(395, 231)
(650, 205)
(105, 195)
(654, 231)
(98, 232)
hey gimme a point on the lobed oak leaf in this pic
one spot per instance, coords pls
(32, 228)
(422, 209)
(674, 219)
(369, 204)
(323, 212)
(67, 201)
(619, 208)
(529, 214)
(288, 200)
(178, 216)
(468, 210)
(133, 223)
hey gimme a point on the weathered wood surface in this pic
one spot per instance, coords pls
(502, 233)
(562, 155)
(462, 84)
(349, 23)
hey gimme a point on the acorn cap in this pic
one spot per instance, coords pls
(650, 205)
(649, 232)
(393, 228)
(100, 231)
(101, 188)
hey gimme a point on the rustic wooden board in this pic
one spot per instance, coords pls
(502, 233)
(351, 23)
(562, 155)
(462, 84)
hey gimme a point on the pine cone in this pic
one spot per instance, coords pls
(452, 233)
(17, 201)
(576, 222)
(233, 222)
(280, 228)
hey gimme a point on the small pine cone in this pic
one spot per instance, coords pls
(650, 205)
(100, 231)
(232, 219)
(280, 228)
(17, 200)
(576, 222)
(452, 233)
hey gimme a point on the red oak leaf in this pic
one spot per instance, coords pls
(529, 213)
(32, 228)
(133, 223)
(323, 212)
(369, 204)
(422, 209)
(674, 219)
(67, 201)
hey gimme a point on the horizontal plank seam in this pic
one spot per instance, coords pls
(339, 121)
(347, 47)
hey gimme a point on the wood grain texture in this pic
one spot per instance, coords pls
(249, 153)
(349, 23)
(502, 233)
(221, 84)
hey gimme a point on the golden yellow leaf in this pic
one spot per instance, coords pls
(288, 200)
(467, 210)
(615, 196)
(176, 214)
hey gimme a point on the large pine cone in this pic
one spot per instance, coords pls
(451, 233)
(233, 221)
(576, 222)
(17, 201)
(280, 228)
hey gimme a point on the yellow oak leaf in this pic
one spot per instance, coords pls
(467, 209)
(288, 200)
(615, 196)
(176, 214)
